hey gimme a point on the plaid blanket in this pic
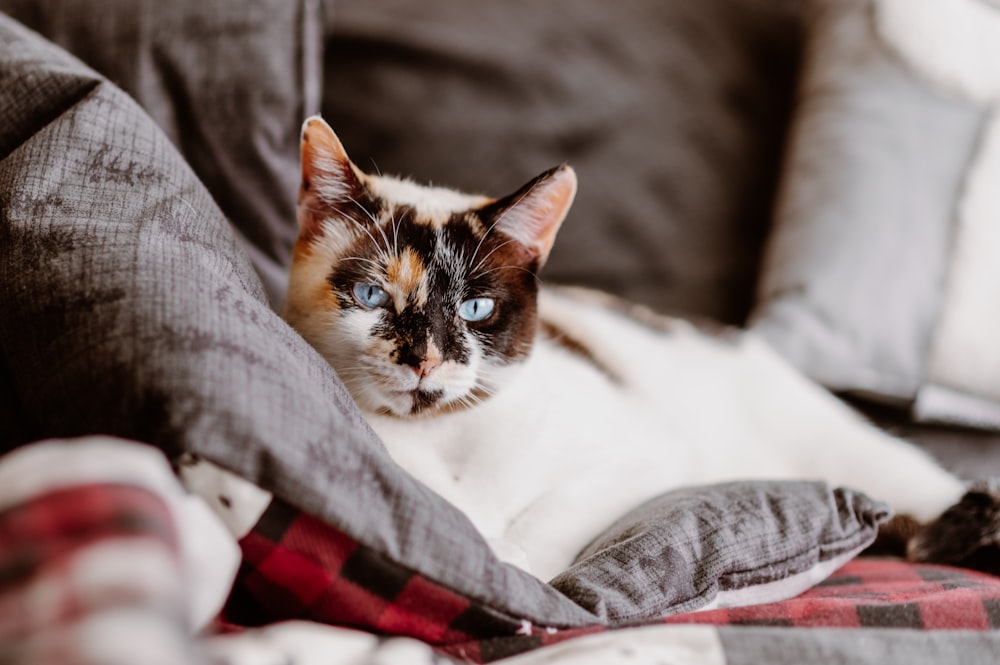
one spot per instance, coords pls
(296, 567)
(865, 593)
(104, 558)
(100, 572)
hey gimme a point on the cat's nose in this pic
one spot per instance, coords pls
(426, 366)
(422, 360)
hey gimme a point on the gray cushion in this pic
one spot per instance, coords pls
(673, 114)
(228, 82)
(720, 546)
(856, 263)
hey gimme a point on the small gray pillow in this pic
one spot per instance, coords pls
(725, 545)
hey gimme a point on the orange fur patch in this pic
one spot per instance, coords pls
(406, 272)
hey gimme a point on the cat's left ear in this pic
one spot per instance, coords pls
(533, 214)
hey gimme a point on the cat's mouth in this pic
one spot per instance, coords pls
(413, 402)
(425, 399)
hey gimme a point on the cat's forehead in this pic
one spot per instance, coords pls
(430, 205)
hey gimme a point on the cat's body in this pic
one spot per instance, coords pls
(547, 415)
(569, 444)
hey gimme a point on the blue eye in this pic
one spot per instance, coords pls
(370, 295)
(476, 309)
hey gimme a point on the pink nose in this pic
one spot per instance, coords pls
(426, 366)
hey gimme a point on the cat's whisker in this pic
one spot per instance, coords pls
(363, 209)
(492, 251)
(374, 264)
(492, 270)
(494, 224)
(379, 251)
(375, 221)
(479, 245)
(395, 233)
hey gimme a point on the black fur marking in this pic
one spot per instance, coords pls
(460, 263)
(506, 271)
(894, 536)
(967, 534)
(423, 400)
(574, 346)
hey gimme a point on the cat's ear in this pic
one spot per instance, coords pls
(329, 178)
(533, 214)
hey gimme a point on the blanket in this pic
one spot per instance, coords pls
(102, 569)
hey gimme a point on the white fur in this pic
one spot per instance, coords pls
(953, 42)
(562, 450)
(329, 188)
(432, 203)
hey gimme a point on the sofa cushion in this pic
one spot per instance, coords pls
(229, 83)
(861, 260)
(673, 114)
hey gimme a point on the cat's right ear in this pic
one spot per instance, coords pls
(330, 181)
(533, 214)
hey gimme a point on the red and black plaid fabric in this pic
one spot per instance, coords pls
(42, 543)
(865, 593)
(298, 567)
(882, 594)
(49, 527)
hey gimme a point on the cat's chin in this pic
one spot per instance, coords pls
(408, 404)
(419, 403)
(437, 396)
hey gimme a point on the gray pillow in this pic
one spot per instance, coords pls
(725, 545)
(856, 263)
(673, 114)
(228, 82)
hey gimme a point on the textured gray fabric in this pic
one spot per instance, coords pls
(228, 82)
(836, 646)
(678, 552)
(854, 269)
(130, 309)
(673, 114)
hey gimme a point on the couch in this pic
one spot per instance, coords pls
(185, 480)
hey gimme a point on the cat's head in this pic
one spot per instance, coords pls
(421, 298)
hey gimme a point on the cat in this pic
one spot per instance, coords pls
(545, 413)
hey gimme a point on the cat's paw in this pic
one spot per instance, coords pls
(966, 535)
